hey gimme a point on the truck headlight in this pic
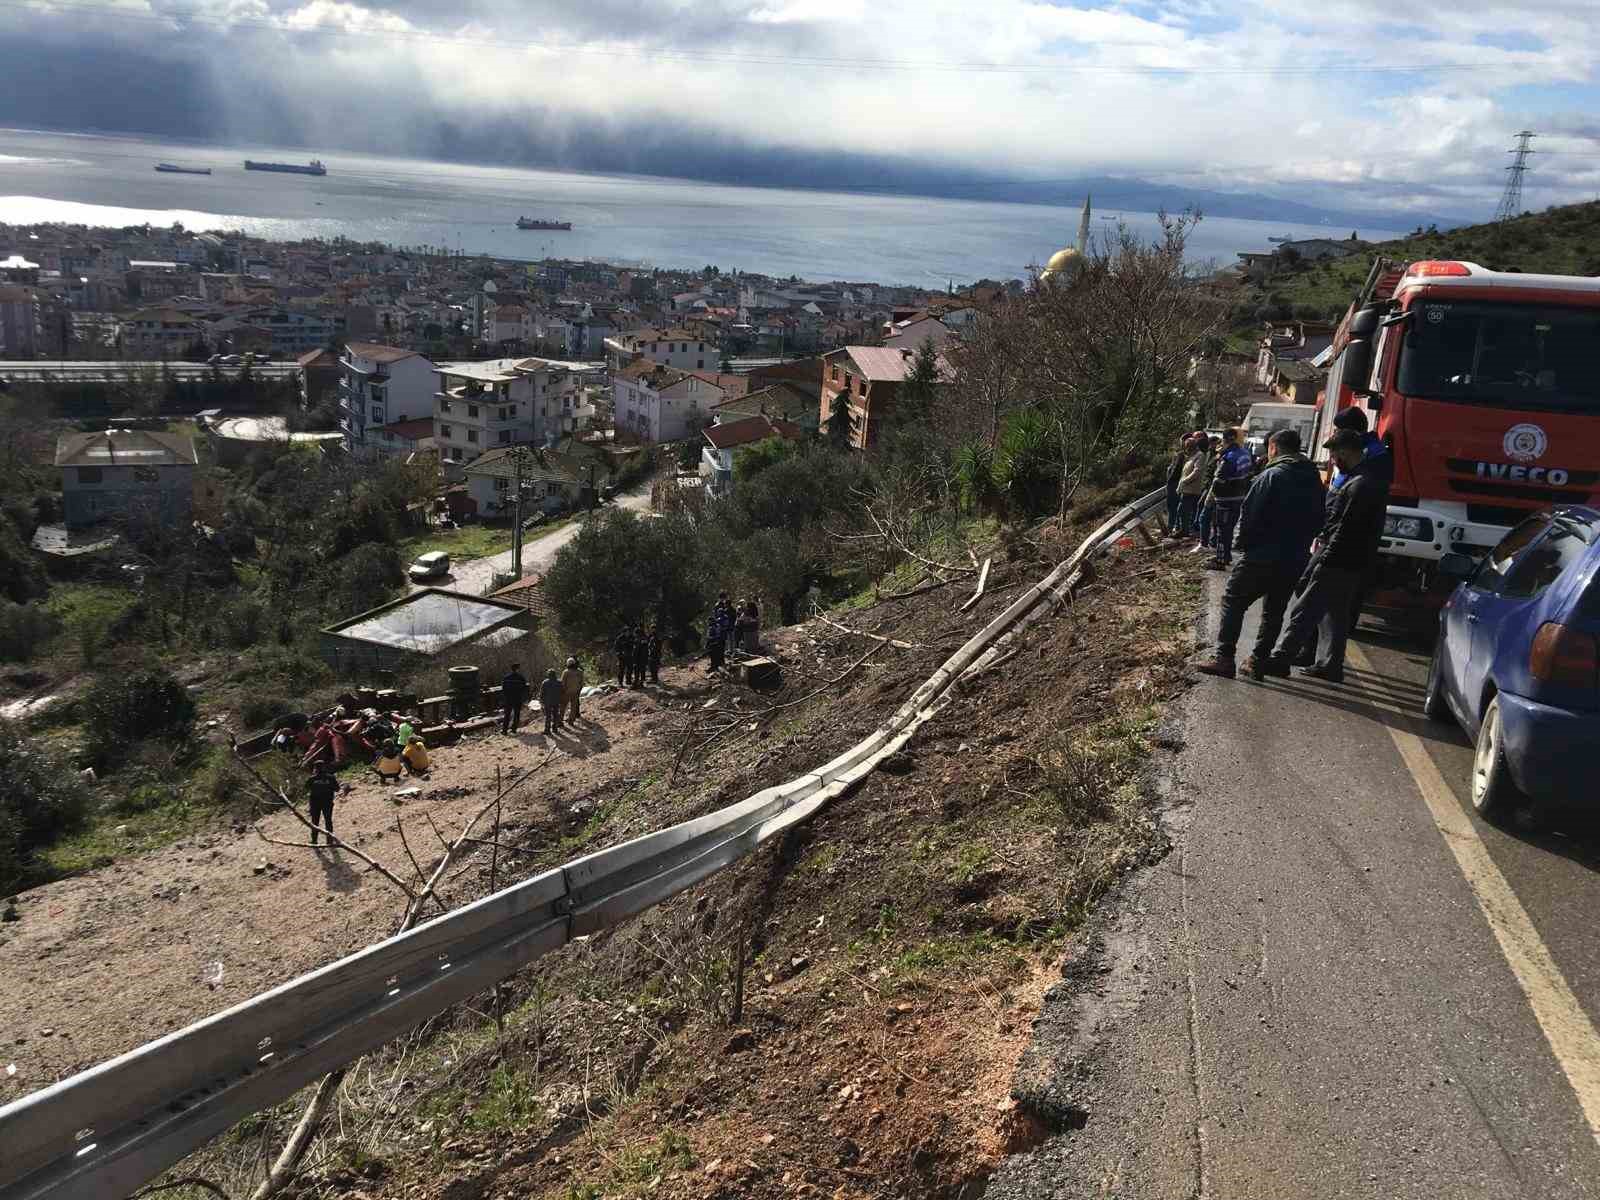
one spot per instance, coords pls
(1416, 529)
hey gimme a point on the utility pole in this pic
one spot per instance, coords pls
(516, 520)
(1511, 201)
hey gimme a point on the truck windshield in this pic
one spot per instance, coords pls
(1512, 355)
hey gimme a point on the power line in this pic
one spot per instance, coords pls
(1511, 202)
(195, 17)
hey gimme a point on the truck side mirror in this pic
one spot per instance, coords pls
(1355, 368)
(1460, 567)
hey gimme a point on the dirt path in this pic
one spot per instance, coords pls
(103, 962)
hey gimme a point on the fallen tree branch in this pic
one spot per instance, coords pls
(187, 1181)
(983, 582)
(877, 637)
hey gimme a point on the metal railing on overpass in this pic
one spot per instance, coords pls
(118, 371)
(109, 1129)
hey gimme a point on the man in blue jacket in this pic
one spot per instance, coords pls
(1228, 492)
(1280, 516)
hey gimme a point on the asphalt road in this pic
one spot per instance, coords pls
(475, 574)
(1339, 983)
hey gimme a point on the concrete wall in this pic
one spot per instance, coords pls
(123, 492)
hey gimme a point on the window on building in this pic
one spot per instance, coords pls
(699, 363)
(505, 436)
(444, 406)
(89, 475)
(502, 484)
(472, 435)
(377, 415)
(472, 410)
(146, 475)
(444, 432)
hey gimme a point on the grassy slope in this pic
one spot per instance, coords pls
(1560, 241)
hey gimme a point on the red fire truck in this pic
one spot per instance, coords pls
(1485, 385)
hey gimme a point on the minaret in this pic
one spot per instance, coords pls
(1083, 227)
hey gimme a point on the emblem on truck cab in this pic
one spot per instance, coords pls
(1525, 443)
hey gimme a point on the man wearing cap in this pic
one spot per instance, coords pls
(1281, 514)
(1351, 530)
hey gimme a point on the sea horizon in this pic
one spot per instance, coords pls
(893, 238)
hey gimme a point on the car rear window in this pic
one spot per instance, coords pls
(1544, 563)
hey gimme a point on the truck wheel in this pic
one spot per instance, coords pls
(1494, 794)
(1434, 705)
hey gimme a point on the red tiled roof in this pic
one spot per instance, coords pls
(528, 592)
(750, 429)
(412, 431)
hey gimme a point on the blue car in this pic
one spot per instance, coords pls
(1517, 659)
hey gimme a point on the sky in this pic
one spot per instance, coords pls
(1341, 103)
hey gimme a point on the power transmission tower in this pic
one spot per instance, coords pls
(1511, 202)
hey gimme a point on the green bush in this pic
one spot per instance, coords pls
(41, 798)
(122, 711)
(24, 629)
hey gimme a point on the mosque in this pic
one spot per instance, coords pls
(1064, 265)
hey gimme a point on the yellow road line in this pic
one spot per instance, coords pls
(1572, 1036)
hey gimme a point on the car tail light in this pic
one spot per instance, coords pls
(1565, 656)
(1433, 268)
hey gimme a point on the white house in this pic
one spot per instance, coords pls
(480, 406)
(660, 404)
(726, 437)
(382, 385)
(550, 480)
(676, 347)
(508, 323)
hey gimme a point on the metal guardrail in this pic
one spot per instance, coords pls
(109, 1129)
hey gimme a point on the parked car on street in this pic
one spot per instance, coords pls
(433, 565)
(1517, 662)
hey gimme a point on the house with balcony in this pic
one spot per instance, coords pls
(726, 438)
(676, 347)
(869, 377)
(126, 474)
(381, 385)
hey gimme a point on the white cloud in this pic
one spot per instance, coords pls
(1230, 93)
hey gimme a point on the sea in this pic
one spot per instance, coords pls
(93, 179)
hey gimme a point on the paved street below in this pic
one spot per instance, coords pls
(1306, 997)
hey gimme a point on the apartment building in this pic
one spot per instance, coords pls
(382, 385)
(662, 404)
(676, 347)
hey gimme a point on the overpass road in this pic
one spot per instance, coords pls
(37, 370)
(1339, 982)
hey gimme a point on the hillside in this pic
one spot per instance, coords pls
(1561, 241)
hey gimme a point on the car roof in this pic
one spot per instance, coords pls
(432, 556)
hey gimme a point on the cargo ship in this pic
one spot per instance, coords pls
(314, 167)
(530, 223)
(175, 169)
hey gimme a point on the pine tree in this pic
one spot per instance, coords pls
(838, 423)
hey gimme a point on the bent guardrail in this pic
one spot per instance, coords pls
(109, 1129)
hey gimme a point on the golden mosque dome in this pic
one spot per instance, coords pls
(1063, 260)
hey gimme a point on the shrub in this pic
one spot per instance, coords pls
(41, 798)
(120, 712)
(24, 628)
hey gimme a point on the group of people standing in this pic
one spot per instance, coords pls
(1313, 547)
(732, 627)
(1206, 486)
(638, 650)
(558, 697)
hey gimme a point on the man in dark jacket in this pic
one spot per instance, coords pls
(550, 697)
(321, 788)
(1376, 461)
(652, 647)
(1175, 473)
(513, 695)
(1351, 530)
(623, 645)
(1280, 515)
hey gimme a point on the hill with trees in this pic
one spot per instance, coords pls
(1560, 241)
